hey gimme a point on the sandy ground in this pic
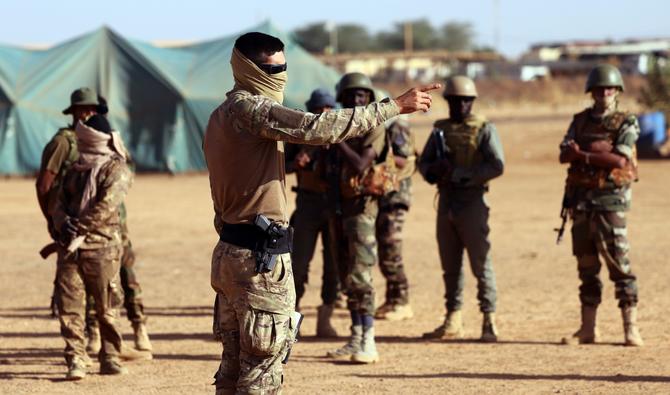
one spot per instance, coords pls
(170, 221)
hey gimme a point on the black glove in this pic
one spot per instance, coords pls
(68, 231)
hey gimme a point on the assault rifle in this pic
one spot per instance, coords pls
(566, 206)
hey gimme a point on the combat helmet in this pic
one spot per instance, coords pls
(354, 81)
(460, 86)
(604, 75)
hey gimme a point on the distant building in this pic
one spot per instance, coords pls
(574, 57)
(422, 66)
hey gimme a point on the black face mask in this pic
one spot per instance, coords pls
(272, 68)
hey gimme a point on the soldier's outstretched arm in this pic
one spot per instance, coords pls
(266, 118)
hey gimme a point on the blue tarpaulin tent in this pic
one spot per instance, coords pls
(159, 98)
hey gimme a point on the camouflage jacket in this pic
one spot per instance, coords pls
(244, 149)
(465, 183)
(403, 145)
(611, 198)
(100, 223)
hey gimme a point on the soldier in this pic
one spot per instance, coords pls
(312, 216)
(251, 265)
(461, 156)
(600, 148)
(359, 213)
(57, 158)
(132, 291)
(86, 216)
(393, 209)
(61, 152)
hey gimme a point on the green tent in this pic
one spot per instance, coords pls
(160, 99)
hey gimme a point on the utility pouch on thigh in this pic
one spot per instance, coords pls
(265, 332)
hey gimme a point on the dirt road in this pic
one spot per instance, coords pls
(171, 224)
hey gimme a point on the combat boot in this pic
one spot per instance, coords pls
(630, 329)
(381, 311)
(323, 326)
(352, 347)
(368, 350)
(142, 341)
(112, 367)
(76, 369)
(489, 329)
(131, 354)
(451, 329)
(94, 343)
(399, 312)
(588, 332)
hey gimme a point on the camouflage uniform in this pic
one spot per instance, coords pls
(94, 267)
(393, 209)
(475, 152)
(58, 156)
(253, 308)
(599, 204)
(311, 217)
(359, 217)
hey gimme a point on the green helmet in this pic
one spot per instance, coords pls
(354, 81)
(604, 75)
(460, 86)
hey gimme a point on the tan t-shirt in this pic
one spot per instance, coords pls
(244, 149)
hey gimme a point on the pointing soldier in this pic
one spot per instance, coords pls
(251, 264)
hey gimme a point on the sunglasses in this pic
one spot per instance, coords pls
(272, 68)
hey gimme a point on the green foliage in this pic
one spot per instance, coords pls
(457, 36)
(656, 95)
(353, 38)
(313, 37)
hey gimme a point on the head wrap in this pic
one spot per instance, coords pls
(249, 77)
(94, 151)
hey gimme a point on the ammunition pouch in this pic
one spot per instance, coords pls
(378, 180)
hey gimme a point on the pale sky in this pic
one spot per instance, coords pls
(520, 23)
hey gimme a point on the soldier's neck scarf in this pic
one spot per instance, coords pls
(94, 151)
(251, 78)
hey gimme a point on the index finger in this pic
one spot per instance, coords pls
(429, 87)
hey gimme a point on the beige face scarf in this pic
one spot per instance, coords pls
(251, 78)
(95, 151)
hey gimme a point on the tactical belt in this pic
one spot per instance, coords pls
(307, 191)
(253, 238)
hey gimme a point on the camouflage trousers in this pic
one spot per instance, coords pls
(94, 273)
(389, 226)
(311, 217)
(466, 228)
(253, 315)
(360, 256)
(599, 236)
(132, 292)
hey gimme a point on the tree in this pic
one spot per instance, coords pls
(457, 36)
(423, 36)
(314, 38)
(353, 38)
